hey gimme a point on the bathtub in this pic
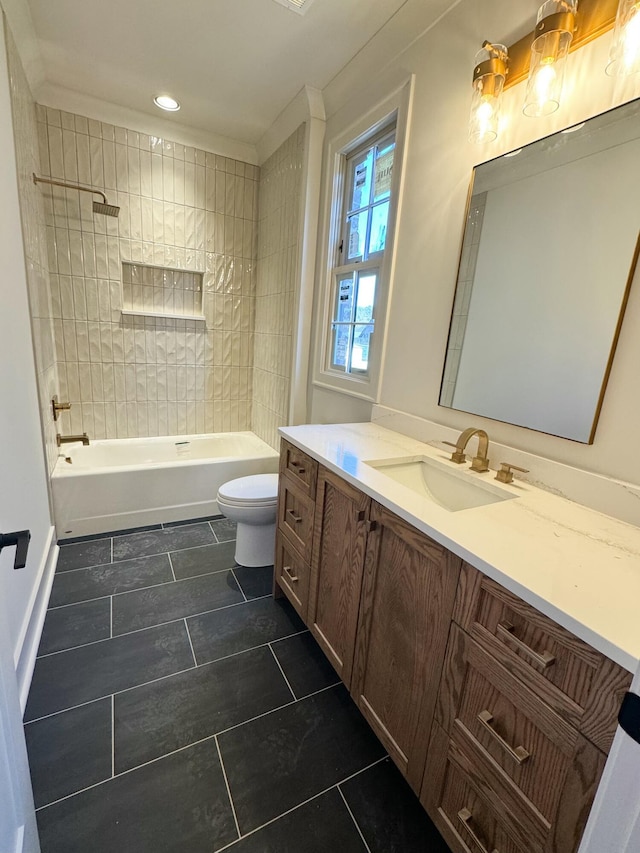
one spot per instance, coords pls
(124, 483)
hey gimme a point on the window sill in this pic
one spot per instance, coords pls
(348, 387)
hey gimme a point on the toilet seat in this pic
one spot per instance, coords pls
(257, 490)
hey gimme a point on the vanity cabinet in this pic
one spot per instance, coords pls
(498, 717)
(337, 566)
(407, 599)
(525, 716)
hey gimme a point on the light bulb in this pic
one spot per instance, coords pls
(544, 80)
(624, 56)
(553, 35)
(488, 81)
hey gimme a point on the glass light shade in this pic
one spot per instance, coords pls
(488, 82)
(553, 37)
(624, 56)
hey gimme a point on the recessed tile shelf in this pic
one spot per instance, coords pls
(165, 292)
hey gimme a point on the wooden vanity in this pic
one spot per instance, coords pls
(499, 718)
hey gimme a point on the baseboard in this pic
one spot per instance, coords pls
(37, 611)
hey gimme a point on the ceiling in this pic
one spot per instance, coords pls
(233, 64)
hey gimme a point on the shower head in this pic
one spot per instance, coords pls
(106, 209)
(98, 206)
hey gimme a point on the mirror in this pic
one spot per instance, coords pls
(549, 250)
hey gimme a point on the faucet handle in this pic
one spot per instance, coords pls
(459, 457)
(505, 474)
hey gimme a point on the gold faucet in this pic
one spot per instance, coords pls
(480, 462)
(67, 439)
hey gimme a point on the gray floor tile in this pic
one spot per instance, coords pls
(80, 675)
(173, 805)
(277, 761)
(110, 533)
(304, 664)
(255, 582)
(70, 751)
(203, 560)
(235, 629)
(389, 814)
(144, 607)
(83, 554)
(322, 826)
(158, 718)
(84, 584)
(161, 541)
(224, 529)
(75, 625)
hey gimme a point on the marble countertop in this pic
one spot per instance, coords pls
(578, 566)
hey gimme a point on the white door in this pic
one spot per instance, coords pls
(18, 832)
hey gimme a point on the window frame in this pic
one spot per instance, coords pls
(392, 114)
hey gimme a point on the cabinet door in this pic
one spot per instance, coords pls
(407, 601)
(336, 568)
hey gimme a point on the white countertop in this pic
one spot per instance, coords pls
(578, 566)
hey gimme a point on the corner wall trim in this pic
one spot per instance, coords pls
(31, 640)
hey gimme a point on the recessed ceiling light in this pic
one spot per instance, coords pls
(166, 103)
(299, 6)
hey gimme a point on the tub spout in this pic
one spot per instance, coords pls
(67, 439)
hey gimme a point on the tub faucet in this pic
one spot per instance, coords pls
(67, 439)
(480, 462)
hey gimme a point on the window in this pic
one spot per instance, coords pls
(359, 254)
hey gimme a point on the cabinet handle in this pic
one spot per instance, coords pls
(361, 515)
(373, 525)
(505, 630)
(295, 518)
(297, 468)
(519, 753)
(289, 573)
(464, 815)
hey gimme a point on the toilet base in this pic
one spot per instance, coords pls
(255, 544)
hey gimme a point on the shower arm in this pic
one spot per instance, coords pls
(69, 186)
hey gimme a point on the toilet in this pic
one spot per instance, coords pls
(251, 502)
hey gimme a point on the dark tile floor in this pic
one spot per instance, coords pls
(175, 706)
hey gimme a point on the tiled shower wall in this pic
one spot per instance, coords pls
(277, 281)
(35, 242)
(181, 208)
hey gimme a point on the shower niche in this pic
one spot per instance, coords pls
(155, 291)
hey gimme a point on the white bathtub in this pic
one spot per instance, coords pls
(123, 483)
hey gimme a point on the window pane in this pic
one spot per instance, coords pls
(378, 236)
(366, 296)
(344, 307)
(360, 348)
(340, 347)
(383, 171)
(357, 235)
(361, 187)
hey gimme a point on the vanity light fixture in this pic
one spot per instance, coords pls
(488, 81)
(624, 56)
(166, 102)
(551, 41)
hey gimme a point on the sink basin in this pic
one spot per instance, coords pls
(449, 488)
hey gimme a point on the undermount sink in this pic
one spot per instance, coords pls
(449, 488)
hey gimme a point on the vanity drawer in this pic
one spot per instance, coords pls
(292, 574)
(574, 679)
(469, 814)
(506, 722)
(299, 468)
(295, 517)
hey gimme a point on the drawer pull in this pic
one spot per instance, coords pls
(295, 518)
(519, 753)
(289, 573)
(299, 469)
(505, 630)
(465, 816)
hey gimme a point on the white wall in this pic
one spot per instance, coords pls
(23, 481)
(439, 163)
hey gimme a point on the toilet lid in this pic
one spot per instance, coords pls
(259, 488)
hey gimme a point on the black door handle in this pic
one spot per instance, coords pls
(20, 538)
